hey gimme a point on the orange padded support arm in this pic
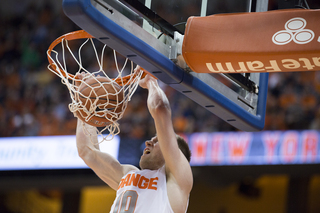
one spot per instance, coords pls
(273, 41)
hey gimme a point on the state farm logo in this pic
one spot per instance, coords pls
(294, 31)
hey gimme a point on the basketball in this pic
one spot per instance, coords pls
(101, 101)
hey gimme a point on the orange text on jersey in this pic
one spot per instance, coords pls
(139, 181)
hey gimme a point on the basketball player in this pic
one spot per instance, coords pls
(165, 180)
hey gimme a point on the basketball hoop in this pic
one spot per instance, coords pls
(97, 98)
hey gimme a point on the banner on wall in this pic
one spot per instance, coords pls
(46, 152)
(254, 148)
(208, 149)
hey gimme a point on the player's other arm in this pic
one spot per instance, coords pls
(176, 163)
(104, 165)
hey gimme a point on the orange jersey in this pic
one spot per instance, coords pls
(142, 191)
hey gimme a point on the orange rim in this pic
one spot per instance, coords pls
(81, 34)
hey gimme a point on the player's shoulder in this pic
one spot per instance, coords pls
(126, 168)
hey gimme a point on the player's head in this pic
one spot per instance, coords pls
(152, 157)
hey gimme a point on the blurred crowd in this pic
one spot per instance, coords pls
(33, 102)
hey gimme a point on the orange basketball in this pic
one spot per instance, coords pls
(105, 96)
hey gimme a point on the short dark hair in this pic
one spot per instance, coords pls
(184, 147)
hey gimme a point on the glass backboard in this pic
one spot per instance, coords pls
(150, 33)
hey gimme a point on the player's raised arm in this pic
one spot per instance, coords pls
(176, 163)
(104, 165)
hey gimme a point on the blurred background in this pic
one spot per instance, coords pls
(33, 102)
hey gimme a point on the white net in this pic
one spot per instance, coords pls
(96, 98)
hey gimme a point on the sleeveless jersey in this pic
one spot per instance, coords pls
(142, 191)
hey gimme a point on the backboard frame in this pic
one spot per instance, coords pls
(127, 38)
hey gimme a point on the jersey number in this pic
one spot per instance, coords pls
(126, 202)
